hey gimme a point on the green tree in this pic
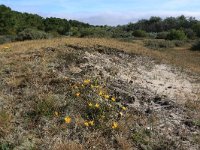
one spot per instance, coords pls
(6, 21)
(61, 26)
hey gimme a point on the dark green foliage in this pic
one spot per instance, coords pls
(196, 46)
(196, 28)
(31, 34)
(58, 25)
(139, 33)
(119, 32)
(176, 35)
(95, 32)
(25, 20)
(6, 20)
(16, 23)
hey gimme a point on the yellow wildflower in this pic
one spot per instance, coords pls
(100, 93)
(68, 119)
(56, 113)
(78, 94)
(106, 96)
(86, 81)
(97, 105)
(113, 99)
(124, 108)
(86, 124)
(90, 104)
(91, 123)
(114, 125)
(121, 114)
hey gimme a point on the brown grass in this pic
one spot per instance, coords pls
(181, 57)
(36, 90)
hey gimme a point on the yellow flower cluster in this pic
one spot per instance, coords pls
(101, 110)
(115, 125)
(96, 105)
(78, 94)
(89, 123)
(68, 119)
(86, 82)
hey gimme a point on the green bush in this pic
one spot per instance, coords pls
(140, 33)
(196, 46)
(162, 35)
(176, 35)
(152, 35)
(31, 34)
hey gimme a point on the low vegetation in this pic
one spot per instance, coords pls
(52, 97)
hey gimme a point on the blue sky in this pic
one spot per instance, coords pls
(111, 12)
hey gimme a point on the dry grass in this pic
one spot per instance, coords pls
(41, 92)
(181, 56)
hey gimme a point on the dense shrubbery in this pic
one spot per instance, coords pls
(31, 34)
(176, 35)
(139, 33)
(162, 35)
(94, 32)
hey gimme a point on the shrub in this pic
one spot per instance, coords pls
(159, 44)
(7, 38)
(176, 35)
(196, 46)
(152, 35)
(31, 34)
(140, 33)
(162, 35)
(190, 33)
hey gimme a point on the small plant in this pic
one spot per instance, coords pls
(6, 146)
(45, 106)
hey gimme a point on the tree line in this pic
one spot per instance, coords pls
(24, 26)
